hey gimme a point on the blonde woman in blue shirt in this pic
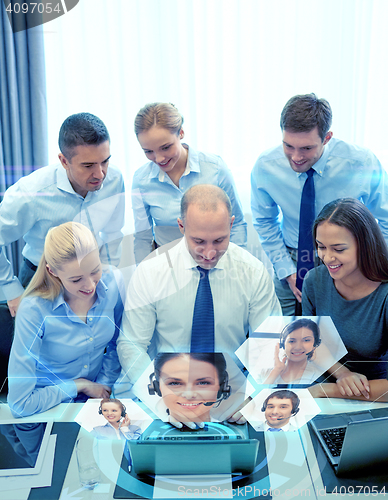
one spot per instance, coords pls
(174, 167)
(66, 327)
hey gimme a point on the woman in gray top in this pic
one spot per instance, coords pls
(352, 288)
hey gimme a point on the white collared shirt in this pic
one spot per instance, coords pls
(287, 427)
(160, 304)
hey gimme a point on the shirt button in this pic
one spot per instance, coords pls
(85, 366)
(90, 319)
(91, 339)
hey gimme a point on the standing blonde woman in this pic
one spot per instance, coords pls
(68, 317)
(174, 167)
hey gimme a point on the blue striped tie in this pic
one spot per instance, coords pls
(272, 429)
(202, 332)
(306, 222)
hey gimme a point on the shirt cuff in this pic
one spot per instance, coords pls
(284, 268)
(69, 390)
(11, 290)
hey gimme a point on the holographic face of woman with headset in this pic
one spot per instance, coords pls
(190, 384)
(299, 339)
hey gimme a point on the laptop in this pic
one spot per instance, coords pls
(354, 441)
(215, 449)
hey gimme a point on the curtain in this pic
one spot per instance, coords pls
(23, 108)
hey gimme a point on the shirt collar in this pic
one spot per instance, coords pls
(283, 428)
(63, 184)
(192, 165)
(193, 159)
(320, 165)
(100, 291)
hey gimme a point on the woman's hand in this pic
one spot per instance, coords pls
(280, 366)
(378, 391)
(318, 391)
(353, 384)
(192, 425)
(125, 422)
(13, 306)
(237, 418)
(92, 389)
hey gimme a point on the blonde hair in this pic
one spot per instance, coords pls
(160, 114)
(63, 243)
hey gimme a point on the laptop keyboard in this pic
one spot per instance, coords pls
(334, 439)
(192, 438)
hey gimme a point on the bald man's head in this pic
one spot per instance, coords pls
(207, 197)
(206, 221)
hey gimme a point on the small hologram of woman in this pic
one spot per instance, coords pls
(299, 340)
(118, 424)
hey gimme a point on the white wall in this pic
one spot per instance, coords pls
(229, 66)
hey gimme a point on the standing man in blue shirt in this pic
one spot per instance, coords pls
(79, 188)
(338, 170)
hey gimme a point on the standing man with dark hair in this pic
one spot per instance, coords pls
(80, 188)
(286, 200)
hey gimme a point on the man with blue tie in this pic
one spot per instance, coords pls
(203, 294)
(286, 200)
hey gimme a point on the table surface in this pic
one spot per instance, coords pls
(292, 465)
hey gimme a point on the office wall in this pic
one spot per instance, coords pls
(229, 66)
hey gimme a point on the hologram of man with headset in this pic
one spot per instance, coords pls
(217, 360)
(278, 413)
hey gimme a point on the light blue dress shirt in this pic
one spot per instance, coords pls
(52, 347)
(343, 171)
(156, 200)
(107, 431)
(45, 199)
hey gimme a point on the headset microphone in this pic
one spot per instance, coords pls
(211, 403)
(223, 392)
(224, 395)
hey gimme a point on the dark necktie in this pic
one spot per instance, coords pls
(271, 429)
(202, 332)
(306, 221)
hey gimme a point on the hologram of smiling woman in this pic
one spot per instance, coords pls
(190, 384)
(314, 340)
(299, 339)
